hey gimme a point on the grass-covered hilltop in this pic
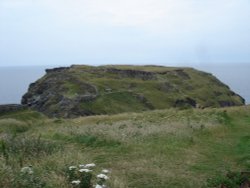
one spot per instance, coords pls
(84, 90)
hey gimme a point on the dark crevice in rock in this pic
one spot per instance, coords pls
(144, 75)
(187, 102)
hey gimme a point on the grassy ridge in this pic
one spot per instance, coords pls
(160, 92)
(161, 148)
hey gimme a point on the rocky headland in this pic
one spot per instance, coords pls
(81, 90)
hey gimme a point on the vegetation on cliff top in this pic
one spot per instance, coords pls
(84, 90)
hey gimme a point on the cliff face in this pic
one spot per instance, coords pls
(83, 90)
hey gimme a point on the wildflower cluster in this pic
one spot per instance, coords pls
(27, 170)
(82, 176)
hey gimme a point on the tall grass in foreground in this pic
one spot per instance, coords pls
(160, 149)
(18, 152)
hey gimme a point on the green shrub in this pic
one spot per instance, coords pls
(231, 180)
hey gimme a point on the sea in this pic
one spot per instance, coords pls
(14, 81)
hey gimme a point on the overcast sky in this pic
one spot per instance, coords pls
(166, 32)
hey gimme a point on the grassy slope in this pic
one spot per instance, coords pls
(162, 148)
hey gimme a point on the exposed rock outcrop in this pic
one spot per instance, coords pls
(60, 94)
(144, 75)
(185, 103)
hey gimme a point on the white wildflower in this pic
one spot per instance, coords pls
(76, 182)
(102, 176)
(81, 166)
(27, 170)
(105, 171)
(72, 167)
(90, 165)
(98, 186)
(85, 170)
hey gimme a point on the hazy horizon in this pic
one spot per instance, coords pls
(19, 78)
